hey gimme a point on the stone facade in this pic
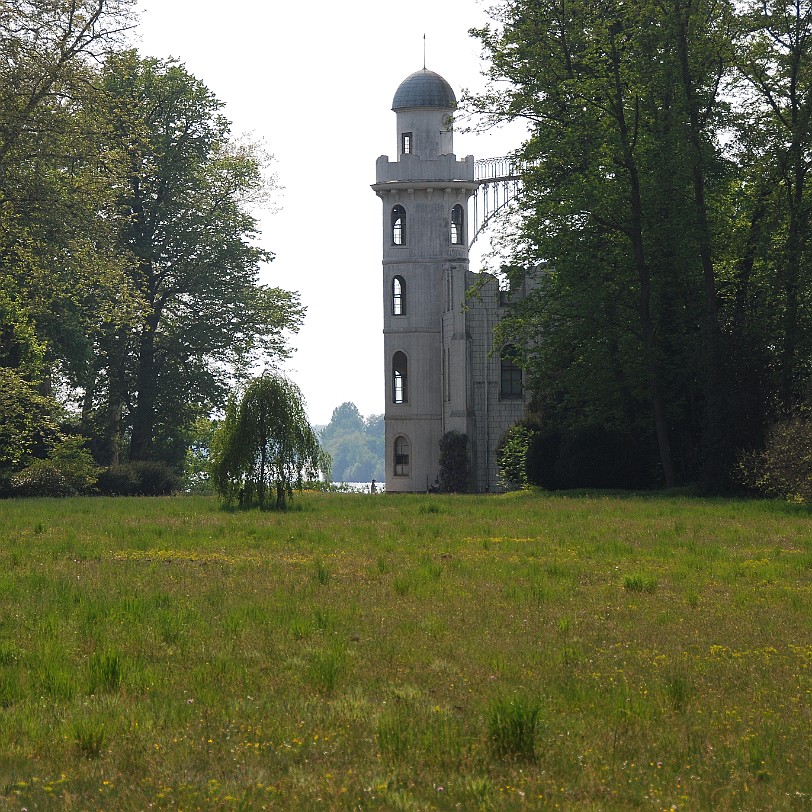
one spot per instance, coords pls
(442, 372)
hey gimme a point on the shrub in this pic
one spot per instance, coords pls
(41, 478)
(543, 451)
(118, 480)
(155, 478)
(511, 456)
(74, 460)
(28, 420)
(455, 464)
(784, 467)
(139, 478)
(590, 456)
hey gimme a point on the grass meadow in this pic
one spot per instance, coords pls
(521, 651)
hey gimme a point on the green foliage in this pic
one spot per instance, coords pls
(511, 456)
(29, 421)
(266, 442)
(197, 469)
(355, 445)
(185, 219)
(668, 261)
(588, 457)
(784, 467)
(73, 459)
(68, 470)
(41, 478)
(20, 348)
(29, 418)
(118, 480)
(346, 419)
(57, 176)
(455, 464)
(138, 478)
(154, 478)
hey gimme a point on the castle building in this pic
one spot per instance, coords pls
(443, 372)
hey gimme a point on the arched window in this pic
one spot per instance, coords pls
(457, 225)
(510, 387)
(401, 458)
(398, 225)
(399, 376)
(398, 296)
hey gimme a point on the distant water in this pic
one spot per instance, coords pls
(361, 487)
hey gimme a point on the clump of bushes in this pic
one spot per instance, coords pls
(784, 468)
(589, 456)
(455, 464)
(41, 478)
(139, 478)
(68, 470)
(511, 455)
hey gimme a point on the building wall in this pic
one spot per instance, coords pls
(473, 403)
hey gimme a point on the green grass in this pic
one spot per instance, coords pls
(406, 652)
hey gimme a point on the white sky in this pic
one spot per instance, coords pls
(314, 81)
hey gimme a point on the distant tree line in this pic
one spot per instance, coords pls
(130, 299)
(355, 443)
(665, 220)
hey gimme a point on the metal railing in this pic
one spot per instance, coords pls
(499, 182)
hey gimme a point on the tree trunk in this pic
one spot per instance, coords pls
(143, 425)
(263, 459)
(87, 403)
(648, 331)
(790, 274)
(110, 446)
(716, 447)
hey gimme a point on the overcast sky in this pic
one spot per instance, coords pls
(314, 81)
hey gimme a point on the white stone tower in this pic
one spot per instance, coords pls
(441, 371)
(424, 194)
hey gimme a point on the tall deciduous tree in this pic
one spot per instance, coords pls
(775, 135)
(59, 273)
(265, 443)
(185, 207)
(624, 105)
(50, 242)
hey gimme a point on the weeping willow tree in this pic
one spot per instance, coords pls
(266, 443)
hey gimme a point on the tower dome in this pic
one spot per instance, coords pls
(424, 88)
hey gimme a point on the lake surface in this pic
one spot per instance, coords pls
(362, 487)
